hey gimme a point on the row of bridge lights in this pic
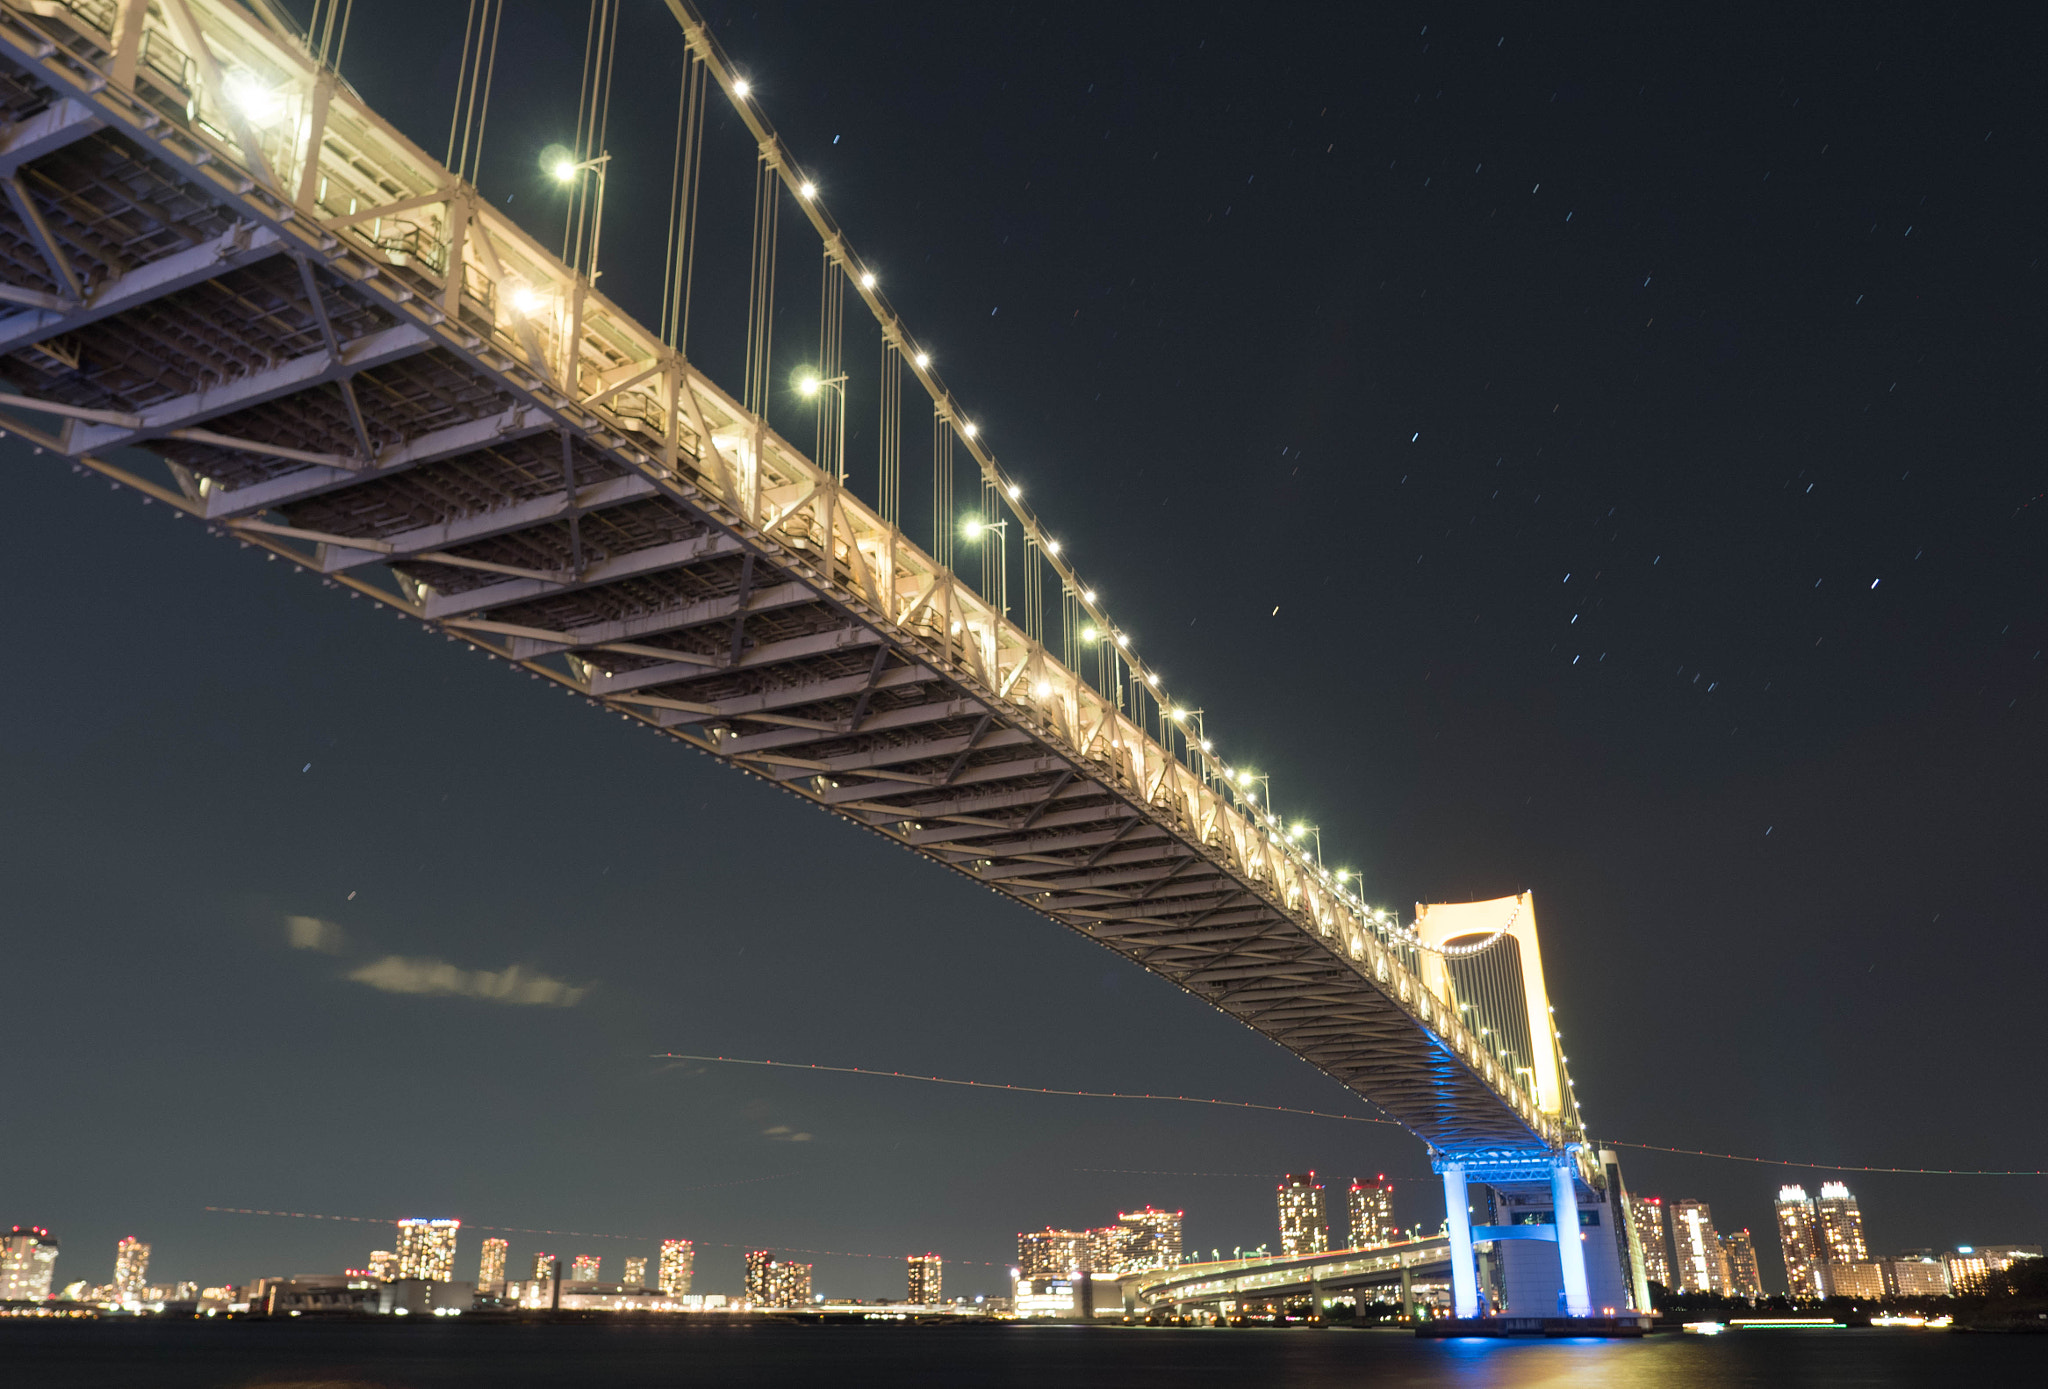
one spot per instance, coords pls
(975, 528)
(528, 301)
(265, 105)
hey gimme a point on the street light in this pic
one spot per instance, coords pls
(563, 166)
(808, 385)
(974, 528)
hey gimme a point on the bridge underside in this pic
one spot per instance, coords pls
(340, 407)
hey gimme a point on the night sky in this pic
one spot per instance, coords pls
(1590, 456)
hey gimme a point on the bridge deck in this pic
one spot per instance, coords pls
(347, 358)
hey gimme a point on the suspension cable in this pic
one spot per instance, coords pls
(682, 212)
(476, 158)
(461, 77)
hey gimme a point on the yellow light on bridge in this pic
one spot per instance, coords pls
(968, 430)
(564, 170)
(528, 300)
(1043, 689)
(807, 190)
(254, 100)
(924, 359)
(1090, 634)
(741, 87)
(867, 279)
(1088, 595)
(1052, 547)
(807, 385)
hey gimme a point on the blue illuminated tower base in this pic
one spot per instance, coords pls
(1588, 1279)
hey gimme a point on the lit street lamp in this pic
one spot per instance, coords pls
(973, 528)
(808, 385)
(564, 168)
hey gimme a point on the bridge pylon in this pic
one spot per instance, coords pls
(1571, 1199)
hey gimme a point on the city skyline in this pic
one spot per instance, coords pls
(1824, 1246)
(1833, 627)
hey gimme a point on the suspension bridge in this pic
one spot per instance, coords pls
(230, 285)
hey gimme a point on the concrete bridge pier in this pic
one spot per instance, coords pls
(1464, 1270)
(1571, 1241)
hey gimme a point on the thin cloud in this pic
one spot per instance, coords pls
(311, 933)
(396, 974)
(782, 1133)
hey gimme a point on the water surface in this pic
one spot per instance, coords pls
(455, 1355)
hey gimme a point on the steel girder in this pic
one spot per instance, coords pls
(561, 491)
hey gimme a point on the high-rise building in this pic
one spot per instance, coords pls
(1968, 1270)
(1745, 1279)
(636, 1273)
(1970, 1266)
(543, 1267)
(926, 1278)
(773, 1282)
(1304, 1224)
(678, 1262)
(490, 1268)
(1861, 1279)
(1648, 1214)
(1696, 1249)
(426, 1249)
(131, 1269)
(1841, 1226)
(584, 1268)
(1372, 1212)
(1914, 1276)
(382, 1265)
(1051, 1253)
(28, 1263)
(1799, 1239)
(1151, 1240)
(1105, 1251)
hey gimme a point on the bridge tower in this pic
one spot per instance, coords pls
(1483, 960)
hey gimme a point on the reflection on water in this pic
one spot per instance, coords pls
(454, 1355)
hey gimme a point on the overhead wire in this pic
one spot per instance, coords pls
(1328, 1114)
(1026, 1089)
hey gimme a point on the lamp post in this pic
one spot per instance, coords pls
(973, 528)
(565, 170)
(808, 385)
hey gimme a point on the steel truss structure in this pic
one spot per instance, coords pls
(214, 252)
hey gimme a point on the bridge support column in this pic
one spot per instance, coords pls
(1464, 1272)
(1571, 1245)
